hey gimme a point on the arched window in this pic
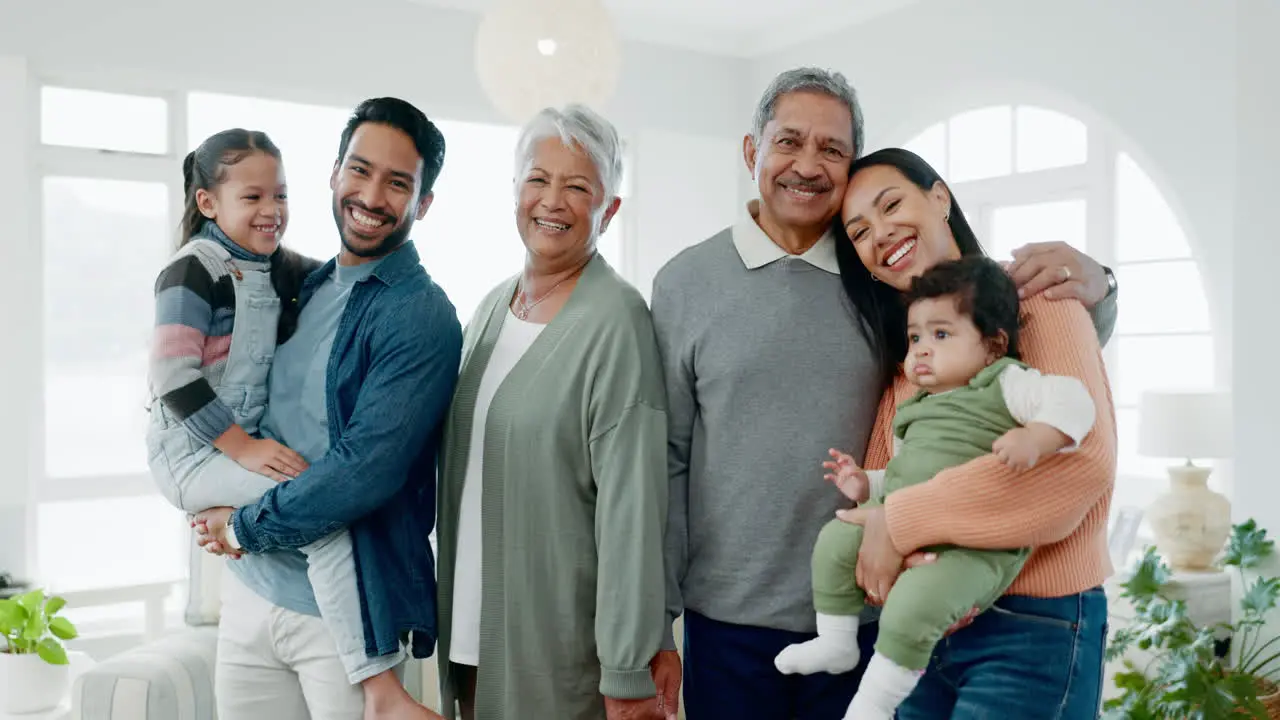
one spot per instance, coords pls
(1026, 174)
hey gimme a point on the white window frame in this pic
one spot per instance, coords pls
(58, 161)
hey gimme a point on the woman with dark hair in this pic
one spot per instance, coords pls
(1038, 652)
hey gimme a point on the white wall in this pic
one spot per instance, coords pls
(327, 51)
(322, 51)
(21, 340)
(1257, 262)
(673, 192)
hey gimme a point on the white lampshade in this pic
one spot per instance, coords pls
(1186, 424)
(532, 54)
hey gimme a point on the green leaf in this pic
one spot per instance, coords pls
(63, 629)
(51, 652)
(13, 616)
(1247, 546)
(1244, 690)
(1260, 598)
(1132, 680)
(1147, 579)
(54, 604)
(1120, 643)
(36, 627)
(32, 601)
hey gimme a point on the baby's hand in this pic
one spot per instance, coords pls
(845, 474)
(1017, 448)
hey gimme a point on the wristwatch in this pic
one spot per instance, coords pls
(1112, 285)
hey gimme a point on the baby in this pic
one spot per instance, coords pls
(975, 398)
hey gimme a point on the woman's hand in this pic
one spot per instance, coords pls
(879, 562)
(667, 674)
(643, 709)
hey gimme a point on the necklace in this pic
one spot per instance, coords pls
(523, 307)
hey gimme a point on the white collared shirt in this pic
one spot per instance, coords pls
(757, 249)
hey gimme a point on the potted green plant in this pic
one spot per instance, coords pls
(33, 661)
(1186, 678)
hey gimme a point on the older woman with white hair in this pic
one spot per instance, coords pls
(553, 481)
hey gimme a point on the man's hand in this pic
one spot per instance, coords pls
(666, 670)
(1059, 271)
(642, 709)
(845, 474)
(879, 562)
(211, 531)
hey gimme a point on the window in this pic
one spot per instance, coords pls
(104, 242)
(103, 121)
(1028, 174)
(107, 224)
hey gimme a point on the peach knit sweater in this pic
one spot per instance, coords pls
(1059, 507)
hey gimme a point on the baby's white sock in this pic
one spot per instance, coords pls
(835, 650)
(883, 688)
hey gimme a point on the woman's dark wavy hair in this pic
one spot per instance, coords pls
(881, 307)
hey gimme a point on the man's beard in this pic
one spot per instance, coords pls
(389, 244)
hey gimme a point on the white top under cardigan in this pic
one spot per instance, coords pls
(513, 342)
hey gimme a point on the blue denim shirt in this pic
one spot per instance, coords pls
(390, 380)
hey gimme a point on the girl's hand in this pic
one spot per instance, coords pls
(845, 474)
(270, 458)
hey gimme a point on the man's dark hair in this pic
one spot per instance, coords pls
(982, 291)
(408, 119)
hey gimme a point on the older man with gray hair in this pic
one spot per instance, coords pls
(553, 482)
(767, 367)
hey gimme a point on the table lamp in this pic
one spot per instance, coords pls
(1190, 521)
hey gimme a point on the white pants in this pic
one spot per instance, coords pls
(276, 664)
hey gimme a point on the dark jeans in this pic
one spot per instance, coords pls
(1026, 658)
(729, 673)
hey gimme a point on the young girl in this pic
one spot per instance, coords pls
(219, 318)
(975, 399)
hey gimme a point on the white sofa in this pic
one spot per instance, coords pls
(172, 678)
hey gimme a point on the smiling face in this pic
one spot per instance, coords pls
(898, 230)
(560, 206)
(376, 192)
(945, 350)
(250, 203)
(801, 160)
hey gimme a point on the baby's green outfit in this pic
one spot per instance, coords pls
(932, 432)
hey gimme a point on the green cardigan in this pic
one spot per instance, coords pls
(573, 507)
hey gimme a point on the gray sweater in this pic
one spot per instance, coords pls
(765, 369)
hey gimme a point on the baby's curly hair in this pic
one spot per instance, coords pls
(982, 290)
